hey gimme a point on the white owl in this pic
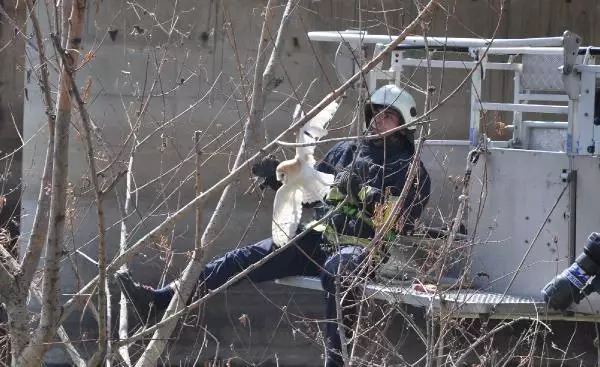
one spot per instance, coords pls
(302, 183)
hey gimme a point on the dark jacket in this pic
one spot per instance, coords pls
(380, 168)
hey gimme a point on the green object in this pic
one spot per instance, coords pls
(353, 209)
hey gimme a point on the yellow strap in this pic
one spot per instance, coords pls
(351, 209)
(341, 239)
(335, 238)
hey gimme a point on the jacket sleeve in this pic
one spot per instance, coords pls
(327, 164)
(338, 157)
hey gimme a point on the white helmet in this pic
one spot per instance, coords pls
(393, 97)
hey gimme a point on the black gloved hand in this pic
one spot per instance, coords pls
(265, 169)
(348, 183)
(571, 286)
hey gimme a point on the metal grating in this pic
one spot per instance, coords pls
(465, 301)
(489, 298)
(540, 72)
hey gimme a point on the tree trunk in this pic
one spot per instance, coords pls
(11, 122)
(12, 60)
(50, 314)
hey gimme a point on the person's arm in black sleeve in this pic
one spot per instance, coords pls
(415, 202)
(352, 181)
(330, 160)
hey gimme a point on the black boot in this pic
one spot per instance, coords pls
(141, 296)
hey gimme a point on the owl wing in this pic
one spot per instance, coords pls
(287, 211)
(314, 130)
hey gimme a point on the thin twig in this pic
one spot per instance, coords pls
(486, 336)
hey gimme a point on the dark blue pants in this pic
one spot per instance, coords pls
(304, 258)
(346, 266)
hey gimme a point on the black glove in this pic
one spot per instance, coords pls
(348, 183)
(265, 169)
(571, 286)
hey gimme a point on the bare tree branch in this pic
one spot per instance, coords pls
(71, 350)
(40, 223)
(269, 80)
(50, 313)
(123, 314)
(100, 354)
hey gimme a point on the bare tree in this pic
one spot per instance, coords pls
(152, 125)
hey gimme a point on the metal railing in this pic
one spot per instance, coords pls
(554, 72)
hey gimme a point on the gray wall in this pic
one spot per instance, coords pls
(123, 67)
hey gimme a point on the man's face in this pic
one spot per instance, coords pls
(384, 120)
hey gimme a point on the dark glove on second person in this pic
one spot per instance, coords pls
(265, 169)
(348, 183)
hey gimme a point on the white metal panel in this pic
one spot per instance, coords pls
(476, 108)
(518, 189)
(588, 68)
(520, 132)
(445, 163)
(584, 129)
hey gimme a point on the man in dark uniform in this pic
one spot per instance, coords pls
(366, 174)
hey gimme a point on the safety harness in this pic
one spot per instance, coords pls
(353, 209)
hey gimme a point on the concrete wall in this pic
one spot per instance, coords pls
(199, 60)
